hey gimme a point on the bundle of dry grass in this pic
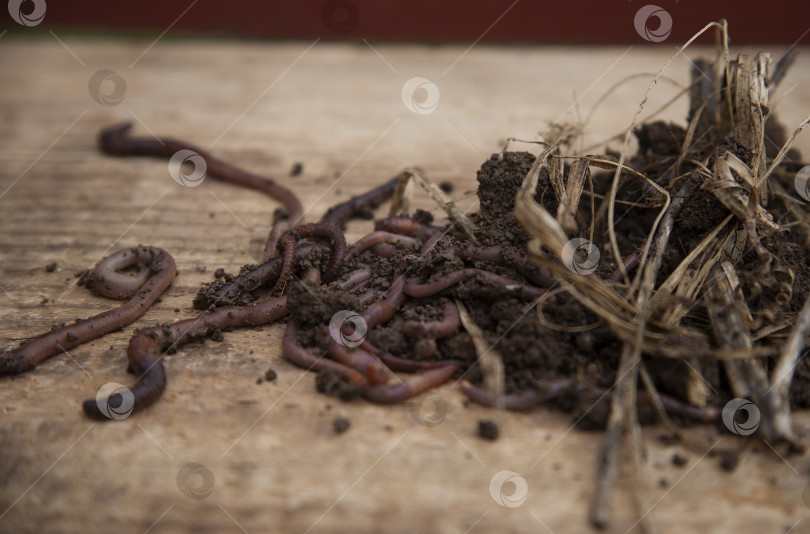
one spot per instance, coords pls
(729, 296)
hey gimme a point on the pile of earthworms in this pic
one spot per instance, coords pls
(315, 253)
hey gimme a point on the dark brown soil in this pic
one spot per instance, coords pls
(531, 352)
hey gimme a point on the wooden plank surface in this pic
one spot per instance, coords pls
(276, 464)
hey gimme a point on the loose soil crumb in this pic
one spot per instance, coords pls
(488, 430)
(341, 425)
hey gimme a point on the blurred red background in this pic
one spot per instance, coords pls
(461, 21)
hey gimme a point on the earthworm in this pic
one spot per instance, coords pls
(384, 250)
(295, 353)
(250, 280)
(551, 389)
(379, 236)
(157, 273)
(630, 263)
(430, 244)
(382, 311)
(415, 289)
(426, 348)
(117, 141)
(355, 279)
(510, 256)
(145, 350)
(409, 386)
(341, 213)
(364, 362)
(522, 401)
(403, 364)
(406, 226)
(435, 329)
(287, 243)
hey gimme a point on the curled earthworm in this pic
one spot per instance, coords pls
(146, 348)
(156, 272)
(307, 358)
(337, 241)
(117, 141)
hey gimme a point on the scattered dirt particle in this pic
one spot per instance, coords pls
(219, 273)
(329, 383)
(729, 460)
(488, 429)
(297, 169)
(679, 460)
(51, 267)
(341, 425)
(270, 375)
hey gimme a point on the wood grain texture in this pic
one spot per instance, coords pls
(277, 465)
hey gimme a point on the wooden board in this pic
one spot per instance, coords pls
(276, 464)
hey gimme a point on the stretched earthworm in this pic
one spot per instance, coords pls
(522, 401)
(156, 274)
(510, 256)
(415, 289)
(406, 226)
(117, 141)
(397, 363)
(355, 279)
(360, 204)
(378, 237)
(630, 263)
(410, 385)
(547, 390)
(145, 350)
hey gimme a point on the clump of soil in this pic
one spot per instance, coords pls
(533, 352)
